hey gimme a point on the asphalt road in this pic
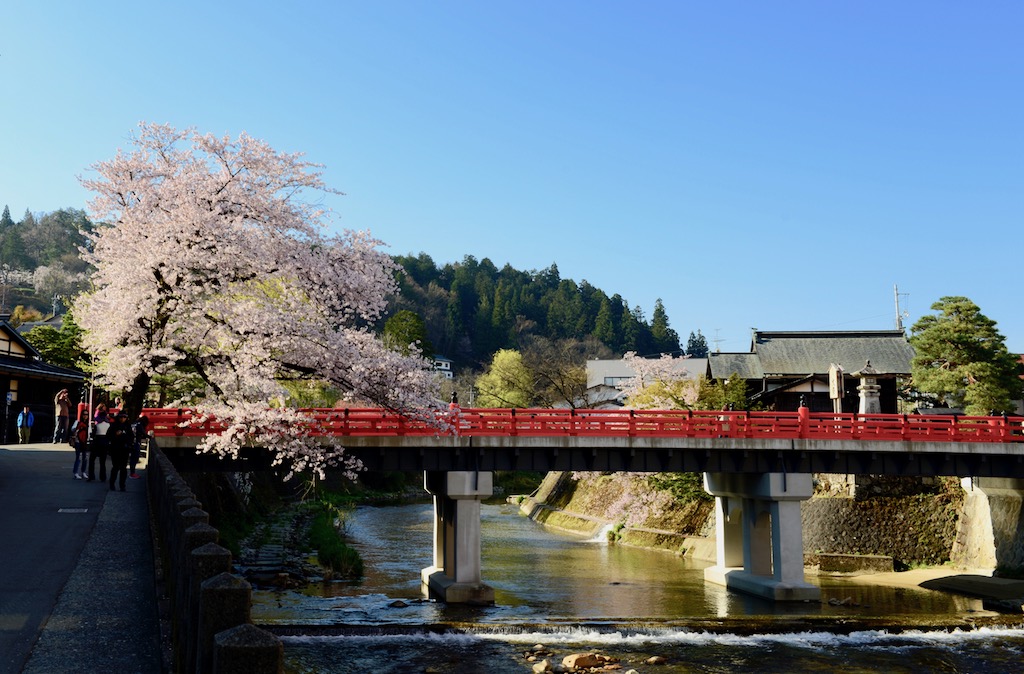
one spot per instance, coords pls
(46, 518)
(76, 569)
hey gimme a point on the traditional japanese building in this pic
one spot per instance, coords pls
(783, 368)
(27, 380)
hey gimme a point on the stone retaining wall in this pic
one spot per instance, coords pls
(908, 529)
(211, 629)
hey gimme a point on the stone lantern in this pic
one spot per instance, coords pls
(869, 388)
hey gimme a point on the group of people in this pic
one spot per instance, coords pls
(108, 434)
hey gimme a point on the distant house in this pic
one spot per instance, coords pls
(443, 366)
(27, 380)
(783, 367)
(604, 377)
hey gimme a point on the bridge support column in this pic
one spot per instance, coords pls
(757, 522)
(455, 576)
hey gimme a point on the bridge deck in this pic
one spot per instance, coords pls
(657, 441)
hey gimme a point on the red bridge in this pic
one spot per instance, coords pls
(660, 440)
(758, 466)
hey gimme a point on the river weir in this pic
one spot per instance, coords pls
(558, 594)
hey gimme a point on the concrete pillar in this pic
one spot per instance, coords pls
(456, 575)
(768, 505)
(787, 542)
(728, 532)
(757, 537)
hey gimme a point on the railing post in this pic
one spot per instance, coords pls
(246, 649)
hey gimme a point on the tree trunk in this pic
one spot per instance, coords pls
(136, 397)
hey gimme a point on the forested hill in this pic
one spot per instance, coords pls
(472, 309)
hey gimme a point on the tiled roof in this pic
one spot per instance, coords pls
(746, 365)
(790, 354)
(801, 353)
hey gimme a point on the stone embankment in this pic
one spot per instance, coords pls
(273, 555)
(850, 527)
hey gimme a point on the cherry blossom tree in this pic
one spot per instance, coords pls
(214, 259)
(660, 383)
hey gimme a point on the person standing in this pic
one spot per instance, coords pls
(121, 439)
(61, 410)
(141, 431)
(100, 445)
(80, 441)
(25, 421)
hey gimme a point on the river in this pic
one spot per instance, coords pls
(572, 595)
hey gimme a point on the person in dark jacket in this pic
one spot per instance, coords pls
(141, 429)
(121, 438)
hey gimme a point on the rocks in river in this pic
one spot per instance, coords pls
(578, 661)
(843, 602)
(655, 660)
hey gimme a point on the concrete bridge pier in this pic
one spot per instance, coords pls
(759, 535)
(455, 576)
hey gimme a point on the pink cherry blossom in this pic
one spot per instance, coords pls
(214, 259)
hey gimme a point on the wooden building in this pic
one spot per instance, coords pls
(27, 380)
(782, 368)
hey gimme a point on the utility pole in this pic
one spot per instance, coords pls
(899, 314)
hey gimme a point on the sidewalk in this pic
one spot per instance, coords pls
(105, 616)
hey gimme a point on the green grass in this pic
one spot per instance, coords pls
(331, 550)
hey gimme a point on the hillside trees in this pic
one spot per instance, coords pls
(484, 309)
(962, 359)
(215, 263)
(40, 257)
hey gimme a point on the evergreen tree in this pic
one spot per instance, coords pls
(5, 220)
(697, 346)
(604, 328)
(666, 340)
(962, 359)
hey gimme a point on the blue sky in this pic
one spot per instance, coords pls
(777, 165)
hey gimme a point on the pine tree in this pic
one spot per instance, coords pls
(5, 220)
(697, 346)
(962, 359)
(666, 340)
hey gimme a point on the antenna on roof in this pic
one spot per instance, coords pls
(716, 341)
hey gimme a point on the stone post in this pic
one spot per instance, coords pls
(246, 649)
(224, 602)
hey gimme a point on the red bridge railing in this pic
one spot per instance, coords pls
(636, 423)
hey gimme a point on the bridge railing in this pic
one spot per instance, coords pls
(630, 423)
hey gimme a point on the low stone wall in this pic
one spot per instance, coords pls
(212, 630)
(910, 529)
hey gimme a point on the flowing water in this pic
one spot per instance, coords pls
(573, 595)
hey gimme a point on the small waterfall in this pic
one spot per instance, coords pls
(602, 535)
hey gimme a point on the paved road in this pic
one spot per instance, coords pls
(77, 591)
